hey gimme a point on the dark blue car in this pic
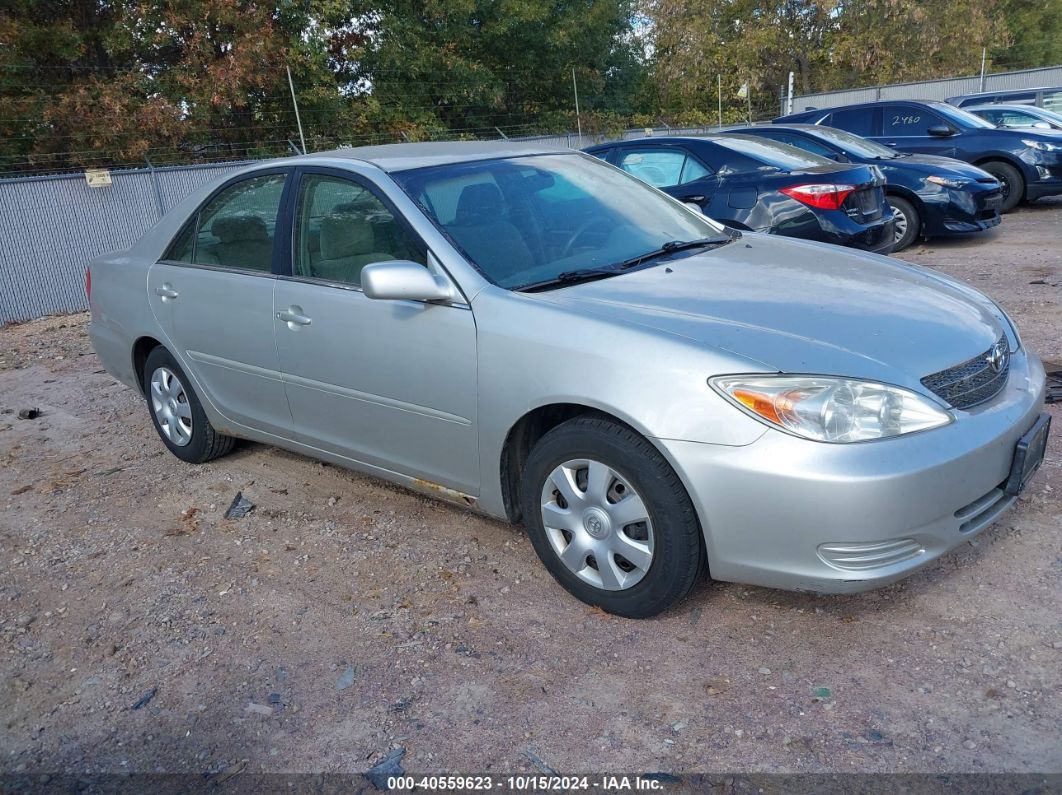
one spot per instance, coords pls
(1027, 162)
(759, 185)
(930, 195)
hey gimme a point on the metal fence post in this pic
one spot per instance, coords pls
(155, 183)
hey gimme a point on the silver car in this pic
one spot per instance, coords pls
(539, 336)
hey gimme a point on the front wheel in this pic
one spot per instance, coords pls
(908, 223)
(610, 519)
(1011, 181)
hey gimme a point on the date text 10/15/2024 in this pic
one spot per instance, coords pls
(527, 783)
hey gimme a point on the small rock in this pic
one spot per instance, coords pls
(765, 671)
(144, 699)
(346, 679)
(332, 501)
(1011, 684)
(679, 725)
(241, 506)
(466, 651)
(739, 733)
(821, 692)
(274, 698)
(969, 745)
(401, 705)
(388, 767)
(541, 766)
(258, 709)
(24, 620)
(716, 686)
(29, 414)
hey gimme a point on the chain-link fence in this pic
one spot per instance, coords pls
(52, 226)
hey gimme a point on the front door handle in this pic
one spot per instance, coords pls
(166, 292)
(892, 143)
(698, 198)
(294, 317)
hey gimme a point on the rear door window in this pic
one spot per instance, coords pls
(236, 229)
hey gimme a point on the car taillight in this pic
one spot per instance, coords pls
(825, 197)
(88, 284)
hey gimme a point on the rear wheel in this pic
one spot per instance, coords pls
(1010, 179)
(610, 519)
(177, 413)
(908, 222)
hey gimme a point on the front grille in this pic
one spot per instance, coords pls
(975, 380)
(865, 205)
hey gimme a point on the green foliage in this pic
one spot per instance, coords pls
(110, 82)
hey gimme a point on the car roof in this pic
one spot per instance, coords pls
(670, 139)
(402, 157)
(855, 106)
(1004, 106)
(1004, 91)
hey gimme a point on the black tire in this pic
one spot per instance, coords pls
(205, 443)
(1012, 181)
(913, 222)
(678, 555)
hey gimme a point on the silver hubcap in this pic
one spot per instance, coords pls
(900, 225)
(170, 404)
(597, 524)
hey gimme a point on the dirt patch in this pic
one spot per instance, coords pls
(343, 617)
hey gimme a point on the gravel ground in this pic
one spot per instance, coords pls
(344, 617)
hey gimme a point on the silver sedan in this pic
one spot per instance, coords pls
(539, 336)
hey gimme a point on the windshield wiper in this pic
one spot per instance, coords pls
(673, 246)
(568, 278)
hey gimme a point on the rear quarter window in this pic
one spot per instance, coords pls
(858, 121)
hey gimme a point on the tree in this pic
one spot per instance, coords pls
(1034, 28)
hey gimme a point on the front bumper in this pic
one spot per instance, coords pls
(954, 211)
(785, 512)
(1043, 174)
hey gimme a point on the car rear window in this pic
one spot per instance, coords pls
(772, 153)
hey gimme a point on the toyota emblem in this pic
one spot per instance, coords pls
(997, 357)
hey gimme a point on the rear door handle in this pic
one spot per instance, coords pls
(293, 317)
(892, 143)
(166, 292)
(698, 198)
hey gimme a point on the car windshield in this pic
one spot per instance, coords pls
(531, 220)
(961, 117)
(774, 153)
(853, 144)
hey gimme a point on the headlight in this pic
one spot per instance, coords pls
(1043, 146)
(829, 409)
(948, 182)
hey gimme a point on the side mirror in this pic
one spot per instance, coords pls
(840, 157)
(941, 130)
(403, 280)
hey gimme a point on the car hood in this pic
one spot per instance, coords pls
(801, 307)
(933, 164)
